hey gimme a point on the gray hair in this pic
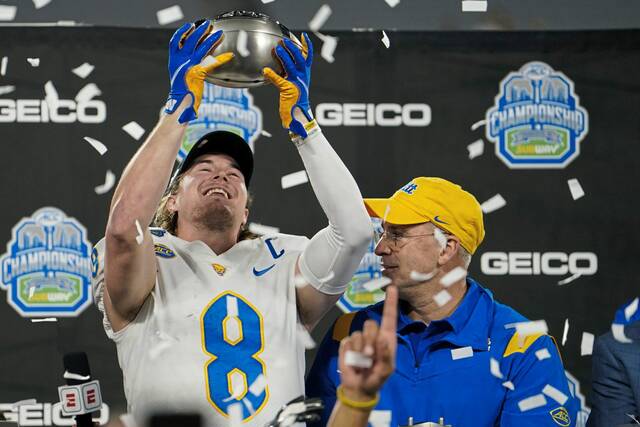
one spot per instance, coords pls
(441, 237)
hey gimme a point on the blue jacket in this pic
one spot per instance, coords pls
(429, 384)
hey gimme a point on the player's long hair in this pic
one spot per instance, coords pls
(168, 220)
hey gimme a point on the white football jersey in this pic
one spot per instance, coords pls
(218, 333)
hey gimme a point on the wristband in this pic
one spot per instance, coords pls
(356, 404)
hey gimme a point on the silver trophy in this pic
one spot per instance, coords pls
(427, 424)
(252, 37)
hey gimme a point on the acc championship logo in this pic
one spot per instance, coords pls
(356, 296)
(537, 120)
(224, 109)
(46, 270)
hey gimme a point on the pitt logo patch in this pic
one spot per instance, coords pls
(409, 188)
(561, 417)
(163, 251)
(219, 268)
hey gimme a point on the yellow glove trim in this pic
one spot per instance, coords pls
(355, 404)
(196, 75)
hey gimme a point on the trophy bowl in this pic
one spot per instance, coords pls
(262, 35)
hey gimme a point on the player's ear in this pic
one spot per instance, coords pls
(246, 216)
(172, 203)
(449, 251)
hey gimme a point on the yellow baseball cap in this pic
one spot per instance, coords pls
(436, 200)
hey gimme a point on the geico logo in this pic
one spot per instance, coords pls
(334, 114)
(535, 263)
(44, 414)
(62, 111)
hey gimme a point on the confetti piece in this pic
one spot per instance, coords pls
(267, 1)
(83, 70)
(44, 319)
(566, 331)
(140, 235)
(329, 44)
(474, 6)
(555, 394)
(387, 209)
(494, 367)
(34, 62)
(442, 297)
(532, 402)
(422, 277)
(617, 330)
(475, 149)
(569, 279)
(304, 337)
(320, 17)
(109, 180)
(258, 386)
(586, 346)
(99, 146)
(357, 359)
(265, 133)
(51, 94)
(633, 417)
(25, 402)
(39, 4)
(6, 89)
(575, 188)
(375, 284)
(169, 15)
(493, 204)
(7, 13)
(631, 309)
(543, 354)
(392, 3)
(461, 353)
(453, 276)
(134, 130)
(261, 229)
(3, 65)
(385, 40)
(477, 124)
(293, 179)
(509, 385)
(235, 414)
(241, 44)
(32, 290)
(73, 376)
(88, 92)
(525, 329)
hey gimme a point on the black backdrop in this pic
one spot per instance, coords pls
(456, 74)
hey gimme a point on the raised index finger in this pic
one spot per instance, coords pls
(390, 313)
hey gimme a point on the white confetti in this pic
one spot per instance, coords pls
(44, 319)
(566, 331)
(51, 94)
(494, 367)
(392, 3)
(357, 359)
(261, 229)
(265, 133)
(16, 405)
(83, 70)
(293, 179)
(375, 284)
(134, 130)
(329, 44)
(532, 402)
(586, 345)
(631, 309)
(385, 40)
(3, 65)
(474, 5)
(6, 89)
(320, 17)
(241, 44)
(422, 277)
(109, 180)
(476, 148)
(236, 414)
(555, 394)
(34, 62)
(304, 337)
(140, 235)
(453, 276)
(509, 385)
(569, 279)
(88, 92)
(169, 15)
(442, 297)
(543, 354)
(32, 290)
(73, 376)
(7, 13)
(477, 124)
(387, 209)
(267, 1)
(39, 4)
(525, 329)
(257, 387)
(617, 330)
(633, 417)
(99, 146)
(575, 188)
(461, 353)
(493, 204)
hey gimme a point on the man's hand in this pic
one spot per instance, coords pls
(294, 87)
(378, 344)
(187, 48)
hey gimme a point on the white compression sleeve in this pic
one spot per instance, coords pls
(334, 253)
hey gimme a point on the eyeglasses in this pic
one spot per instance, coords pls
(396, 240)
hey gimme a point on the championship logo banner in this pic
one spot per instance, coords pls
(537, 121)
(227, 109)
(46, 270)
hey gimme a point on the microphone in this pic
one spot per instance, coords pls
(81, 396)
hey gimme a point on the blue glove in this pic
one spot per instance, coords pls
(294, 87)
(187, 49)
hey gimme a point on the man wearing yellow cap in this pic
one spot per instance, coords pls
(459, 357)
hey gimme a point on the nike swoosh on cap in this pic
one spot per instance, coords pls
(259, 273)
(437, 219)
